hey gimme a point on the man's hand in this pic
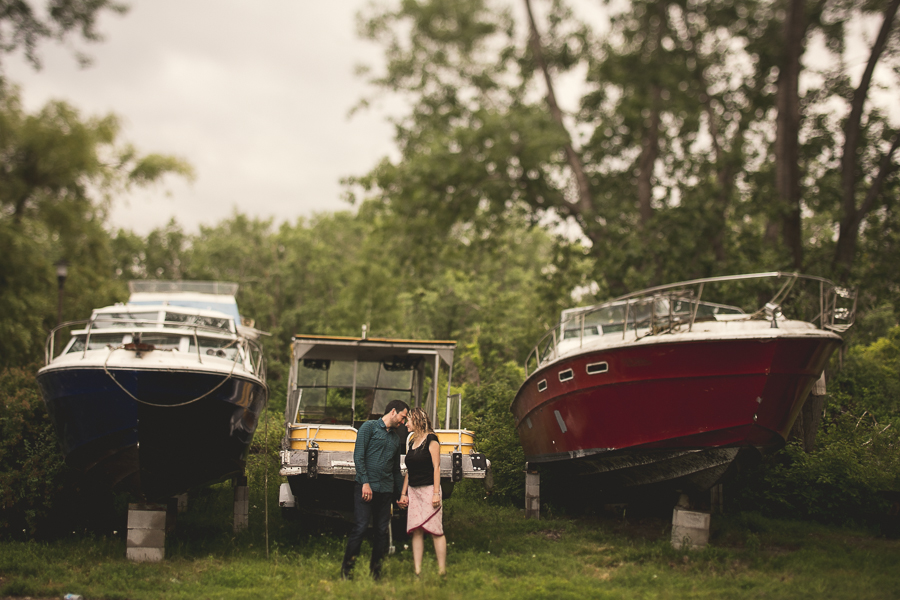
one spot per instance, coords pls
(403, 502)
(367, 492)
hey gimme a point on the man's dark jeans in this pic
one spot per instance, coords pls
(379, 509)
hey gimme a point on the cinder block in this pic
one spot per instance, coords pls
(145, 554)
(241, 493)
(146, 519)
(690, 529)
(146, 538)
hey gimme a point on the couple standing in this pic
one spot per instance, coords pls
(378, 483)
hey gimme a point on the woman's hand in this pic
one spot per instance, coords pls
(436, 500)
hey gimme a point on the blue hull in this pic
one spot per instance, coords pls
(170, 441)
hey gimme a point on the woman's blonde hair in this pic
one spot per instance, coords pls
(419, 420)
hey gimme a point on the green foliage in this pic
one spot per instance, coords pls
(23, 27)
(495, 432)
(59, 172)
(871, 375)
(841, 481)
(32, 474)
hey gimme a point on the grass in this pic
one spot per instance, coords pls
(493, 553)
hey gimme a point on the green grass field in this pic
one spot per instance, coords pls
(493, 553)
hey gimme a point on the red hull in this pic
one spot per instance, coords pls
(665, 396)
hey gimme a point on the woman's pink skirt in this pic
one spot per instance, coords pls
(422, 515)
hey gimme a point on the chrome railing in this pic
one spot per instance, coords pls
(677, 306)
(247, 348)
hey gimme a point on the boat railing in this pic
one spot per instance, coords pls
(246, 348)
(50, 343)
(678, 306)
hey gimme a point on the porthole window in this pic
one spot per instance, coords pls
(598, 367)
(566, 375)
(542, 385)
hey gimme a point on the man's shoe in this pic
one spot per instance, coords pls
(346, 573)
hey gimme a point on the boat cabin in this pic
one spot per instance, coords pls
(337, 383)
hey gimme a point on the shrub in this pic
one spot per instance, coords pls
(870, 378)
(841, 482)
(495, 432)
(32, 473)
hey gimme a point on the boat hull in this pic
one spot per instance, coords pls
(189, 428)
(666, 410)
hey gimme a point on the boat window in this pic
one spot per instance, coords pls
(328, 388)
(210, 346)
(382, 397)
(161, 341)
(124, 319)
(566, 375)
(340, 374)
(542, 385)
(395, 380)
(598, 367)
(97, 342)
(311, 373)
(327, 405)
(199, 320)
(576, 332)
(312, 403)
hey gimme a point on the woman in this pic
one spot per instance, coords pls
(422, 488)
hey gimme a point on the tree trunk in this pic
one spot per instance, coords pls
(852, 217)
(647, 161)
(585, 202)
(787, 145)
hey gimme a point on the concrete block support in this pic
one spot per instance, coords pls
(532, 495)
(146, 532)
(690, 529)
(241, 507)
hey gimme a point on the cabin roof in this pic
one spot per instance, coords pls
(329, 347)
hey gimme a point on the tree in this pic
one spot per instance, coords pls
(23, 27)
(58, 174)
(853, 215)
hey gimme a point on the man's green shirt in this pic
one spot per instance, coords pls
(377, 457)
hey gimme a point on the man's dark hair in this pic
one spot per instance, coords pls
(399, 405)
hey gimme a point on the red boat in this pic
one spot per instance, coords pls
(665, 385)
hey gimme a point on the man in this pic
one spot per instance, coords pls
(378, 483)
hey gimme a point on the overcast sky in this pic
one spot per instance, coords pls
(255, 95)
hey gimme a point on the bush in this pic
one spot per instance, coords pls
(870, 378)
(32, 472)
(495, 433)
(841, 482)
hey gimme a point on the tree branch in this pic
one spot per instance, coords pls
(585, 203)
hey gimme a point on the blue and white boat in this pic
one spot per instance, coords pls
(158, 395)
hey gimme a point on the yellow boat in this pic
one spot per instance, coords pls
(337, 383)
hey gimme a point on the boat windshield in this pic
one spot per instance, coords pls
(611, 318)
(203, 321)
(131, 319)
(109, 320)
(97, 342)
(229, 308)
(326, 389)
